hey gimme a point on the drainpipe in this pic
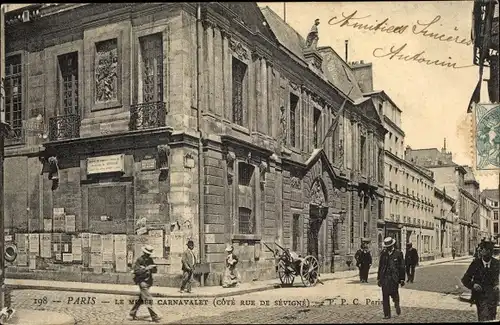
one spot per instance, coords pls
(201, 168)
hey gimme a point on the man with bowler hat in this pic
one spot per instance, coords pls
(143, 276)
(482, 279)
(391, 274)
(188, 261)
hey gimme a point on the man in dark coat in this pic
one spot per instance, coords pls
(391, 274)
(144, 268)
(411, 261)
(363, 262)
(482, 279)
(188, 260)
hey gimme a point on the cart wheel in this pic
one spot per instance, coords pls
(309, 271)
(286, 276)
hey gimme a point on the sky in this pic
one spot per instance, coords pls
(433, 98)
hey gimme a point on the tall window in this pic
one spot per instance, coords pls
(296, 232)
(245, 174)
(152, 68)
(317, 115)
(239, 71)
(362, 156)
(68, 84)
(246, 222)
(495, 215)
(13, 94)
(380, 210)
(294, 101)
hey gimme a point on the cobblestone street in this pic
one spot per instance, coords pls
(349, 301)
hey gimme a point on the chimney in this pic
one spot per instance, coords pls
(346, 50)
(443, 150)
(407, 152)
(364, 75)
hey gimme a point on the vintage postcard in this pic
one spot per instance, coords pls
(249, 162)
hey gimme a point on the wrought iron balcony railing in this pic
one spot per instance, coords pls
(64, 127)
(147, 115)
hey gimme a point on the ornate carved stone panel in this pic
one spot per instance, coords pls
(317, 194)
(106, 71)
(238, 50)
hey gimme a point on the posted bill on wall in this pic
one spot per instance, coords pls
(281, 162)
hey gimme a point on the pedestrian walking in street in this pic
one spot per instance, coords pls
(363, 262)
(391, 274)
(231, 276)
(411, 261)
(143, 277)
(453, 252)
(188, 260)
(482, 279)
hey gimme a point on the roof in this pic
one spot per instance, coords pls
(428, 157)
(491, 194)
(383, 94)
(336, 70)
(251, 15)
(286, 35)
(469, 177)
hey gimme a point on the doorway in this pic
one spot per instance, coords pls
(315, 245)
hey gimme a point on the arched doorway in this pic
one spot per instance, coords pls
(318, 210)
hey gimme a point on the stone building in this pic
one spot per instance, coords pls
(491, 197)
(115, 107)
(444, 213)
(485, 219)
(407, 215)
(451, 177)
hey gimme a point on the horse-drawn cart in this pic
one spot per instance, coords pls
(291, 265)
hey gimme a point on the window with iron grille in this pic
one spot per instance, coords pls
(68, 83)
(152, 67)
(239, 71)
(13, 94)
(246, 222)
(296, 232)
(245, 174)
(365, 229)
(294, 101)
(380, 209)
(317, 116)
(362, 156)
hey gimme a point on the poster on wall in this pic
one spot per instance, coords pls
(22, 249)
(70, 223)
(34, 244)
(85, 249)
(85, 240)
(107, 248)
(45, 245)
(67, 257)
(177, 247)
(32, 262)
(139, 242)
(95, 250)
(58, 219)
(95, 243)
(156, 240)
(47, 225)
(57, 247)
(76, 248)
(120, 248)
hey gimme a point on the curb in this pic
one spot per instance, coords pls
(194, 295)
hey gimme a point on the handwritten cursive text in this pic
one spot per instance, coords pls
(423, 29)
(382, 26)
(397, 53)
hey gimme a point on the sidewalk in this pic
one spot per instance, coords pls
(202, 292)
(35, 317)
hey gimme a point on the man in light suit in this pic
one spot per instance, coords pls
(188, 261)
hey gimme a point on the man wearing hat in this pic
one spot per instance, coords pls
(482, 279)
(391, 274)
(230, 275)
(411, 261)
(143, 276)
(188, 260)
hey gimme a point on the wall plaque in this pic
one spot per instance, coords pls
(105, 164)
(148, 164)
